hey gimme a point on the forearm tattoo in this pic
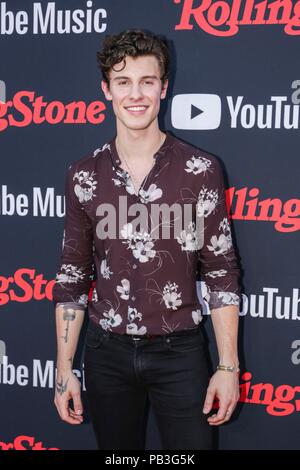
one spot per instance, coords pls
(61, 387)
(68, 315)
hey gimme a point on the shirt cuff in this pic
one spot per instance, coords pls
(218, 299)
(74, 305)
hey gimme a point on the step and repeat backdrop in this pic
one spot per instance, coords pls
(235, 92)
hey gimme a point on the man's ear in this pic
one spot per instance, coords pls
(105, 89)
(164, 89)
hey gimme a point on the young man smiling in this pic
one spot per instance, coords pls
(145, 338)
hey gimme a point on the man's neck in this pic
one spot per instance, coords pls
(139, 145)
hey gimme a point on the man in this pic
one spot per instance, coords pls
(145, 337)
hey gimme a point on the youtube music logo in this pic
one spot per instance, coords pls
(196, 111)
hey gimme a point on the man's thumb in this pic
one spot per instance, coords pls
(77, 404)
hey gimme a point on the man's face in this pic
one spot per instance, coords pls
(135, 91)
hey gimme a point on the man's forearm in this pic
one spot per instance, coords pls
(225, 322)
(69, 321)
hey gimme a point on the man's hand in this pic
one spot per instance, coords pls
(68, 388)
(225, 386)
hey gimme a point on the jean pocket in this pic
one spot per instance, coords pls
(95, 339)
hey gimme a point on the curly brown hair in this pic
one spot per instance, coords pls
(133, 43)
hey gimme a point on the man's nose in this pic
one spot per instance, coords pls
(135, 91)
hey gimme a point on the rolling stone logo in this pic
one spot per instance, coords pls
(26, 108)
(224, 18)
(31, 286)
(25, 443)
(25, 285)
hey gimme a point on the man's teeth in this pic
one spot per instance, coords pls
(137, 108)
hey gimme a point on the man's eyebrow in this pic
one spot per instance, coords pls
(128, 78)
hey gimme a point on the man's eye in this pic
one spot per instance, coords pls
(125, 82)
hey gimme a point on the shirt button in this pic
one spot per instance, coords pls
(133, 298)
(118, 161)
(168, 340)
(134, 266)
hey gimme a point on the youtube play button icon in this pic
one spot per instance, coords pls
(196, 111)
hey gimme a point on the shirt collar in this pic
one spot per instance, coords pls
(161, 152)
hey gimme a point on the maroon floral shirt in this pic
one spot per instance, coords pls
(145, 279)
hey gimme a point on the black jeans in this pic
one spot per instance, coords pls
(121, 373)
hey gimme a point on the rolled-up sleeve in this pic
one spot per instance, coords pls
(219, 266)
(76, 269)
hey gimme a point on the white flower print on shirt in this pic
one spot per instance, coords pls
(152, 193)
(86, 186)
(223, 243)
(94, 295)
(133, 314)
(132, 328)
(170, 295)
(124, 289)
(112, 319)
(218, 299)
(140, 243)
(229, 298)
(197, 165)
(105, 270)
(69, 274)
(105, 146)
(82, 300)
(143, 249)
(188, 238)
(124, 180)
(207, 201)
(205, 291)
(117, 182)
(219, 273)
(197, 316)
